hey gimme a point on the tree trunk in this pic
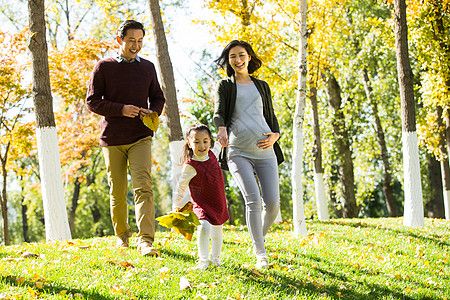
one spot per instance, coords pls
(56, 223)
(297, 149)
(346, 175)
(321, 200)
(445, 168)
(24, 209)
(4, 201)
(413, 211)
(435, 207)
(387, 179)
(168, 86)
(166, 70)
(73, 207)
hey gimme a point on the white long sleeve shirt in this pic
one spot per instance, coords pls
(188, 172)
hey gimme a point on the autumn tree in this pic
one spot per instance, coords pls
(430, 28)
(13, 96)
(56, 223)
(297, 152)
(413, 213)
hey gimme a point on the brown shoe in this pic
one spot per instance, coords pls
(123, 242)
(146, 249)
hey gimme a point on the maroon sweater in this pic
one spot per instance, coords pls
(112, 85)
(208, 191)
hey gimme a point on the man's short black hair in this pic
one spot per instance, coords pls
(129, 24)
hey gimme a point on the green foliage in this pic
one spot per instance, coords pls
(339, 259)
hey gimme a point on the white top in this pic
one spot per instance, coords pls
(188, 172)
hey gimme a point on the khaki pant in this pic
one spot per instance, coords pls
(137, 157)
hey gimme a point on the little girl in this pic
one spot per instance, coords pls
(202, 173)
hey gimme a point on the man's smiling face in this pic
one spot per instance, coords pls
(131, 43)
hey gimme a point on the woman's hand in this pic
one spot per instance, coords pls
(222, 136)
(268, 142)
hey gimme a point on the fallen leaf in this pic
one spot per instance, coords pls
(39, 284)
(184, 283)
(256, 273)
(85, 247)
(116, 289)
(29, 255)
(126, 264)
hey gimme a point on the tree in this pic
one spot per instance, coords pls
(176, 139)
(297, 150)
(13, 97)
(413, 211)
(56, 222)
(346, 175)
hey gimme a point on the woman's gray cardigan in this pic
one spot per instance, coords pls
(224, 106)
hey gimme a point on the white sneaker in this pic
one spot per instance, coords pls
(216, 262)
(262, 262)
(203, 264)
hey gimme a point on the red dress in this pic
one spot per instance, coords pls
(208, 191)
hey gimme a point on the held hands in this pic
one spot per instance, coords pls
(132, 111)
(268, 142)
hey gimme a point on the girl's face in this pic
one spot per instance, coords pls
(200, 142)
(238, 59)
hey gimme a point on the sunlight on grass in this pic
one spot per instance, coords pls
(338, 259)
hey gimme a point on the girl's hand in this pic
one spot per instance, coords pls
(268, 142)
(222, 136)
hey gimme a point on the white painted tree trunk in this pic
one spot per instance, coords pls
(55, 214)
(321, 200)
(176, 151)
(413, 207)
(447, 204)
(297, 150)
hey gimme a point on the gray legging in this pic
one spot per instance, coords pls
(243, 170)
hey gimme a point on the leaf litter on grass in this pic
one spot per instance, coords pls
(348, 259)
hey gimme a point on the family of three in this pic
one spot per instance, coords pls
(123, 89)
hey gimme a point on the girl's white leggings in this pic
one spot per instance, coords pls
(204, 232)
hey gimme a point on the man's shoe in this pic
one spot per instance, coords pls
(146, 249)
(123, 242)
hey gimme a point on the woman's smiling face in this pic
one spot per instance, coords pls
(238, 59)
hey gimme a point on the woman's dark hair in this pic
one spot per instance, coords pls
(129, 24)
(223, 61)
(187, 151)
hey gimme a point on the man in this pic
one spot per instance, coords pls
(123, 90)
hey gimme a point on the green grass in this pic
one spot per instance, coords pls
(339, 259)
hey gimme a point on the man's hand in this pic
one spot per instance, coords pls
(130, 111)
(143, 112)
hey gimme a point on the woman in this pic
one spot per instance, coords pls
(248, 127)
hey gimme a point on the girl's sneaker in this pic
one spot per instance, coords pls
(261, 262)
(216, 262)
(203, 264)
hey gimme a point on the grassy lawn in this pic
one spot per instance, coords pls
(339, 259)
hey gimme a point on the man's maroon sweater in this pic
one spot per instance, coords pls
(114, 84)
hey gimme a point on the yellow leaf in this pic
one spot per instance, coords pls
(126, 264)
(151, 120)
(256, 273)
(116, 289)
(39, 284)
